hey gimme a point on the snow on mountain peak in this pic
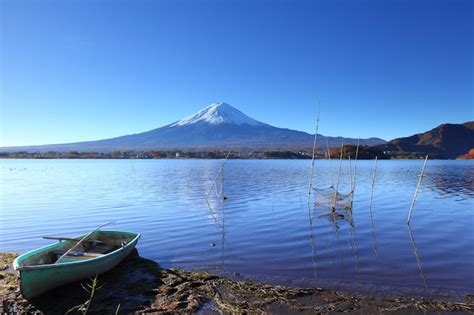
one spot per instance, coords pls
(218, 113)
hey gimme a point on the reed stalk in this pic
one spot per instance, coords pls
(221, 169)
(330, 165)
(310, 185)
(417, 189)
(338, 177)
(353, 184)
(350, 172)
(91, 289)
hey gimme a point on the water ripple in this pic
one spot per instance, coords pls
(265, 230)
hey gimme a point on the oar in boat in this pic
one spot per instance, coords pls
(80, 241)
(62, 238)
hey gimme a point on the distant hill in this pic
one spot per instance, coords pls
(445, 141)
(468, 156)
(216, 126)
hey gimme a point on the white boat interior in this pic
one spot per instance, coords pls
(97, 244)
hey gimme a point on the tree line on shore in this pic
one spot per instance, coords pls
(348, 151)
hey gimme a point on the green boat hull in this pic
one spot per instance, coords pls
(38, 279)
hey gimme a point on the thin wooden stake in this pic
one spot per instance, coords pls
(223, 191)
(355, 172)
(310, 186)
(417, 188)
(330, 165)
(338, 176)
(218, 173)
(350, 171)
(373, 182)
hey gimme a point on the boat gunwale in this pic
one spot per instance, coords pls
(16, 264)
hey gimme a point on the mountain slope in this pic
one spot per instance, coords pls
(446, 141)
(216, 126)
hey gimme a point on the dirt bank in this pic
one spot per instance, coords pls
(139, 285)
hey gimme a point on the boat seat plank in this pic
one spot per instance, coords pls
(78, 254)
(68, 258)
(99, 250)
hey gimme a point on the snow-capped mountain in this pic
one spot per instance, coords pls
(218, 126)
(218, 113)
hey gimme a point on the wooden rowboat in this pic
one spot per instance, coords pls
(71, 260)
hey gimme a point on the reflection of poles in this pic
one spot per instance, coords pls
(370, 206)
(312, 242)
(354, 246)
(341, 259)
(338, 177)
(220, 196)
(222, 236)
(333, 218)
(310, 186)
(417, 256)
(417, 188)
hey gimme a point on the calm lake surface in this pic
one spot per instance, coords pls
(265, 230)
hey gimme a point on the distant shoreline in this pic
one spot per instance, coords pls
(365, 153)
(240, 159)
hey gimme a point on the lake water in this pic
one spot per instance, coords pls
(265, 230)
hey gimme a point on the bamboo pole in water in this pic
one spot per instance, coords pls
(310, 185)
(350, 171)
(221, 169)
(338, 177)
(353, 185)
(417, 188)
(330, 165)
(373, 182)
(223, 191)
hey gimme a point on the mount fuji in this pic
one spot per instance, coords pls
(217, 126)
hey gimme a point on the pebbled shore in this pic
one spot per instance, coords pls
(139, 285)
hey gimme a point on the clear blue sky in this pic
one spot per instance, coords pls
(87, 70)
